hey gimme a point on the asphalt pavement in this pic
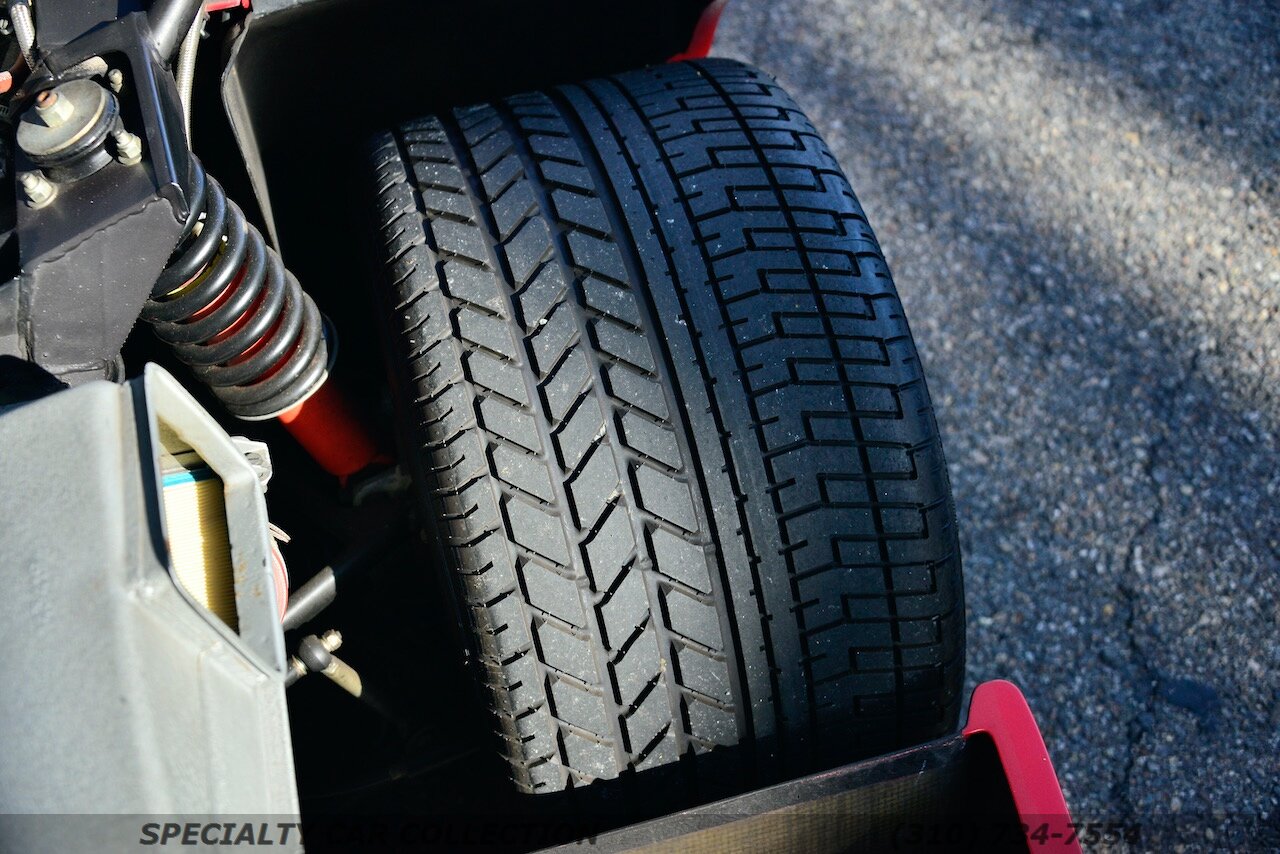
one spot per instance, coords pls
(1080, 202)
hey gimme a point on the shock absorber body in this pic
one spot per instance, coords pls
(240, 320)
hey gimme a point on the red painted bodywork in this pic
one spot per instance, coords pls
(704, 32)
(999, 711)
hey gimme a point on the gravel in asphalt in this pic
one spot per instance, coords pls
(1081, 205)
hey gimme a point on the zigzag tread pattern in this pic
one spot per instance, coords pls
(580, 552)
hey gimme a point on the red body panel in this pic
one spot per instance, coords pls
(704, 32)
(999, 711)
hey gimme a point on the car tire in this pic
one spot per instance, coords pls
(671, 429)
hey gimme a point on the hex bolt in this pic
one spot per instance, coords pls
(39, 190)
(52, 110)
(115, 79)
(128, 147)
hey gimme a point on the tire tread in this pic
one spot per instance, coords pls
(673, 424)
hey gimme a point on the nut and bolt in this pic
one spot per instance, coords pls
(39, 190)
(115, 79)
(331, 640)
(52, 110)
(128, 147)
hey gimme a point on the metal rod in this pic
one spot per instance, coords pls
(310, 599)
(319, 592)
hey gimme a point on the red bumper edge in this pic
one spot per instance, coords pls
(704, 33)
(999, 711)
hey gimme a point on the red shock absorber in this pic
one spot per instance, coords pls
(240, 320)
(331, 431)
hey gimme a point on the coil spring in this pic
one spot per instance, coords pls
(234, 314)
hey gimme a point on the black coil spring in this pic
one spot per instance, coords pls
(276, 354)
